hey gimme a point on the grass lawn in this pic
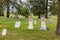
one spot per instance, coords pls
(23, 33)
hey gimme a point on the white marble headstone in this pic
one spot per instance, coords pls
(30, 23)
(4, 32)
(35, 22)
(17, 24)
(43, 24)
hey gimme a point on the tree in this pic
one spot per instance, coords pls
(6, 2)
(25, 9)
(58, 23)
(39, 7)
(17, 7)
(1, 8)
(53, 7)
(7, 8)
(14, 4)
(46, 9)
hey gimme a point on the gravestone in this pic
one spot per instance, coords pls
(17, 24)
(30, 23)
(43, 23)
(4, 32)
(50, 19)
(35, 22)
(15, 14)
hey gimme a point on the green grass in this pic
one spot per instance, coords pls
(23, 33)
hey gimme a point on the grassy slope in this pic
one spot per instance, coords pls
(23, 33)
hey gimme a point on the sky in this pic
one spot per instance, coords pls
(23, 0)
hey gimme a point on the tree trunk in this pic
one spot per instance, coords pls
(39, 15)
(7, 8)
(46, 9)
(1, 8)
(12, 9)
(27, 14)
(58, 22)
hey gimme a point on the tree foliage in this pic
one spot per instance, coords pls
(53, 7)
(1, 8)
(39, 7)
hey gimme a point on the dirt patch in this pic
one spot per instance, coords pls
(3, 26)
(0, 25)
(21, 39)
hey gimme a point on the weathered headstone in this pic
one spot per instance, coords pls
(17, 24)
(50, 19)
(43, 23)
(35, 22)
(15, 14)
(30, 23)
(4, 32)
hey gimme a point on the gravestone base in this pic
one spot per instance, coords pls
(16, 17)
(43, 28)
(30, 27)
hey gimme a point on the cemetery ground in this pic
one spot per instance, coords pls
(23, 33)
